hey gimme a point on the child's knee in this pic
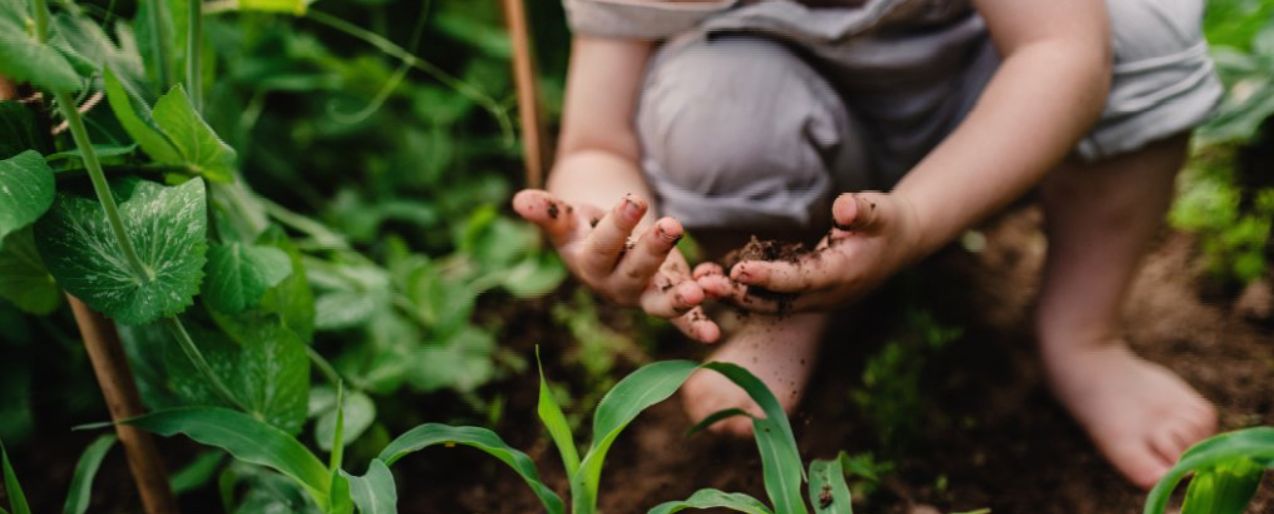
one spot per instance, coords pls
(740, 123)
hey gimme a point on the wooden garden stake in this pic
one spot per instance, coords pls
(535, 154)
(116, 380)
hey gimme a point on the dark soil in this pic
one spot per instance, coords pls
(772, 251)
(992, 437)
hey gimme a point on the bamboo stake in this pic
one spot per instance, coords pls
(116, 381)
(114, 377)
(535, 154)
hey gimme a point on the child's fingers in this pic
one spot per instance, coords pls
(697, 326)
(554, 216)
(608, 239)
(707, 269)
(861, 212)
(652, 248)
(672, 302)
(804, 275)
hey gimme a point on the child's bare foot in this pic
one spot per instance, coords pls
(1141, 415)
(778, 350)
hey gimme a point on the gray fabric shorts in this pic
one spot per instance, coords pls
(759, 117)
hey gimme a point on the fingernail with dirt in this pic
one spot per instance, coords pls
(632, 210)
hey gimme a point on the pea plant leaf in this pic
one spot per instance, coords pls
(19, 130)
(166, 226)
(375, 492)
(292, 299)
(650, 384)
(23, 278)
(264, 364)
(26, 191)
(24, 59)
(462, 362)
(238, 275)
(433, 434)
(136, 118)
(829, 494)
(77, 499)
(247, 439)
(200, 148)
(713, 499)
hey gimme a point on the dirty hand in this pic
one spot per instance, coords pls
(873, 236)
(629, 264)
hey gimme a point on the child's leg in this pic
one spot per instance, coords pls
(742, 137)
(1100, 219)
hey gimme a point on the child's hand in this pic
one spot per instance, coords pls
(627, 264)
(873, 238)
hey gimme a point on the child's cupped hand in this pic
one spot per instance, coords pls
(628, 263)
(874, 235)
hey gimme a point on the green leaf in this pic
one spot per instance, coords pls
(294, 7)
(23, 278)
(200, 148)
(292, 298)
(266, 367)
(375, 492)
(19, 131)
(462, 362)
(359, 413)
(1255, 444)
(77, 499)
(650, 384)
(197, 473)
(247, 439)
(167, 228)
(432, 434)
(780, 459)
(1224, 489)
(26, 191)
(346, 309)
(24, 59)
(829, 494)
(537, 275)
(136, 118)
(17, 498)
(714, 499)
(550, 414)
(238, 275)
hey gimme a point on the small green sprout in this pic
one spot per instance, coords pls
(1227, 472)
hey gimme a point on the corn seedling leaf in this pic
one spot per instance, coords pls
(238, 275)
(829, 494)
(358, 415)
(1224, 489)
(714, 499)
(166, 225)
(713, 418)
(23, 278)
(1255, 444)
(247, 439)
(650, 384)
(433, 434)
(780, 460)
(77, 499)
(17, 499)
(559, 430)
(375, 492)
(26, 191)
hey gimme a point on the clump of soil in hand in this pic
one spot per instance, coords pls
(772, 251)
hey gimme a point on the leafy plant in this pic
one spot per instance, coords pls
(1227, 471)
(81, 488)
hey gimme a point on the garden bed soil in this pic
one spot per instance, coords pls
(996, 439)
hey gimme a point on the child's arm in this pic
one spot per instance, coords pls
(1049, 90)
(597, 165)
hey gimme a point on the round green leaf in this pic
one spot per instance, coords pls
(23, 277)
(26, 190)
(167, 227)
(239, 275)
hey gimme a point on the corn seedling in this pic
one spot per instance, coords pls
(1227, 471)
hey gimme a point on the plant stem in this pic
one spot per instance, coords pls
(194, 38)
(406, 57)
(158, 48)
(41, 15)
(196, 357)
(67, 105)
